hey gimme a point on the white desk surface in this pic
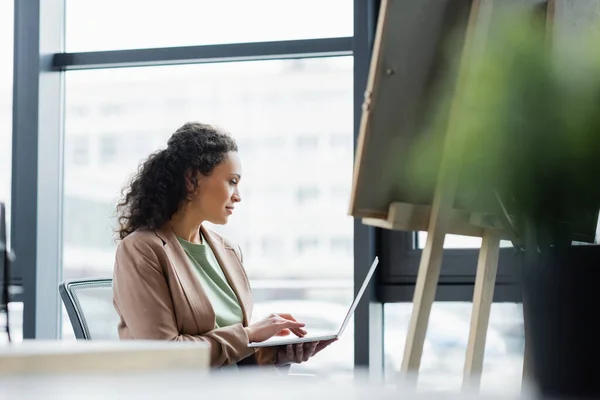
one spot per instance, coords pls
(237, 385)
(38, 347)
(67, 357)
(174, 379)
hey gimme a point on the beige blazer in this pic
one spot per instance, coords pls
(158, 296)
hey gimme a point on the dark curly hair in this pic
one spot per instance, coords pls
(159, 187)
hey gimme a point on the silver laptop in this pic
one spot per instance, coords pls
(280, 341)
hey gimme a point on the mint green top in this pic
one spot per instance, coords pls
(219, 292)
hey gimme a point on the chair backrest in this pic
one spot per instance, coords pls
(89, 304)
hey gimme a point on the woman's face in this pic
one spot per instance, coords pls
(216, 195)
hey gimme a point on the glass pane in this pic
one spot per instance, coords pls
(292, 224)
(6, 84)
(446, 344)
(458, 241)
(468, 242)
(127, 24)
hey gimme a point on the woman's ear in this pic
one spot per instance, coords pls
(191, 183)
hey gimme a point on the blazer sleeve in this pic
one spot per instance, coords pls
(143, 300)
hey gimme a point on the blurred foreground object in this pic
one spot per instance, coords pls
(40, 357)
(527, 148)
(481, 119)
(250, 384)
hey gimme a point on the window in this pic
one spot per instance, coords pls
(282, 271)
(339, 192)
(342, 245)
(247, 145)
(107, 25)
(307, 143)
(307, 245)
(273, 144)
(307, 194)
(457, 241)
(108, 149)
(87, 221)
(272, 247)
(340, 142)
(6, 85)
(177, 103)
(247, 248)
(137, 145)
(79, 150)
(15, 310)
(112, 110)
(79, 111)
(446, 343)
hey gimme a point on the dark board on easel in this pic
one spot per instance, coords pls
(409, 62)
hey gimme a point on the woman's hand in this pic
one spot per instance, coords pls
(300, 352)
(274, 325)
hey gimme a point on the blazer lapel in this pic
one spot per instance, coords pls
(233, 270)
(200, 305)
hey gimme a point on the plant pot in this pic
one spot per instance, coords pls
(561, 307)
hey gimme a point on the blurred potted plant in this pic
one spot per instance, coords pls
(526, 132)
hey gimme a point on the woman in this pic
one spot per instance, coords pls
(174, 279)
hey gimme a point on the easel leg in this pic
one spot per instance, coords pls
(425, 288)
(439, 221)
(487, 267)
(527, 367)
(526, 372)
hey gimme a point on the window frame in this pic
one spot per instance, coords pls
(37, 165)
(40, 65)
(400, 265)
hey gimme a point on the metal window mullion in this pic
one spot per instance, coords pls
(368, 317)
(37, 163)
(330, 47)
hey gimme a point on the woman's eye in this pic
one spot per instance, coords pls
(233, 181)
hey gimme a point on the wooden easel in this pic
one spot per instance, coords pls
(439, 225)
(397, 85)
(441, 218)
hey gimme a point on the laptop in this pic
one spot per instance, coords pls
(285, 340)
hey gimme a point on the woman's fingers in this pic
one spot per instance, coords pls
(286, 323)
(283, 332)
(304, 351)
(309, 350)
(274, 325)
(294, 327)
(299, 353)
(324, 344)
(287, 316)
(298, 332)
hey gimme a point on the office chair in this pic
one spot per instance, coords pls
(90, 308)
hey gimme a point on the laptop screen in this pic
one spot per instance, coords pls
(359, 295)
